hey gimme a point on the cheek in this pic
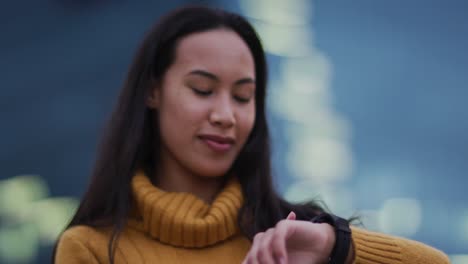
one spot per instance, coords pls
(246, 121)
(181, 116)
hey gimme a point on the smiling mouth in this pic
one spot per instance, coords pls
(218, 143)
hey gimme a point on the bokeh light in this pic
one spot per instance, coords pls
(51, 215)
(282, 25)
(18, 192)
(322, 160)
(459, 259)
(19, 243)
(400, 216)
(29, 217)
(291, 13)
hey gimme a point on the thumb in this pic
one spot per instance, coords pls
(291, 216)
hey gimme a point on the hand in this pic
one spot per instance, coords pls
(292, 242)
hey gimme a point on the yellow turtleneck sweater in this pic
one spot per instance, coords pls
(181, 228)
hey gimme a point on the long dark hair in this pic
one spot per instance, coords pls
(132, 137)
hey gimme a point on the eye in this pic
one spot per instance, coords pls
(241, 99)
(201, 92)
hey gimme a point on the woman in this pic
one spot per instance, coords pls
(183, 175)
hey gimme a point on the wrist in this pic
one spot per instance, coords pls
(330, 241)
(342, 245)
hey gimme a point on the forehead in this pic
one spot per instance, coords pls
(216, 50)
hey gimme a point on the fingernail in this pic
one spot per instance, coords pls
(291, 216)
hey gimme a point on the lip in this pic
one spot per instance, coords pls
(218, 143)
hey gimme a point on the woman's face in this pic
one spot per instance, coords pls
(206, 103)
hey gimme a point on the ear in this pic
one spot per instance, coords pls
(152, 100)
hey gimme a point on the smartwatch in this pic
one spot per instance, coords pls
(342, 234)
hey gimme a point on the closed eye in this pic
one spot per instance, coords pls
(241, 99)
(201, 92)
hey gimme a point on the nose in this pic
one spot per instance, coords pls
(222, 113)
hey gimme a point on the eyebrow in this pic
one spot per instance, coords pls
(213, 77)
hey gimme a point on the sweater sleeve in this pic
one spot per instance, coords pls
(72, 250)
(372, 248)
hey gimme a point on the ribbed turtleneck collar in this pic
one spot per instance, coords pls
(182, 219)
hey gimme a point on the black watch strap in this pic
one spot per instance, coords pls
(342, 234)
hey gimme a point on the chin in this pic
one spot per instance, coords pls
(211, 171)
(211, 174)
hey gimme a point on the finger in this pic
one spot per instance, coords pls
(278, 244)
(264, 251)
(251, 257)
(291, 216)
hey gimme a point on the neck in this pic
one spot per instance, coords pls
(172, 178)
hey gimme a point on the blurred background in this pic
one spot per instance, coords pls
(366, 108)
